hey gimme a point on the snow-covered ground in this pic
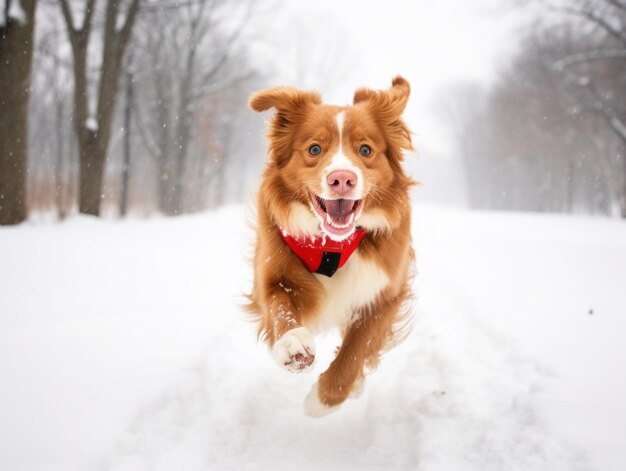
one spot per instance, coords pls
(123, 347)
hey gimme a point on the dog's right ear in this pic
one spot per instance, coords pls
(285, 99)
(290, 105)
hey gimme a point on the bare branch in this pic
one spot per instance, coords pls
(617, 4)
(593, 17)
(230, 42)
(216, 67)
(614, 121)
(223, 85)
(89, 10)
(69, 20)
(151, 146)
(588, 56)
(595, 103)
(164, 5)
(131, 14)
(67, 16)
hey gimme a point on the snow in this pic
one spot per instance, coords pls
(91, 123)
(16, 12)
(123, 347)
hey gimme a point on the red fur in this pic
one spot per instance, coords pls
(285, 294)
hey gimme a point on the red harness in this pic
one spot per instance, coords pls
(322, 254)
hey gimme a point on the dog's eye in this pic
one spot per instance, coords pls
(365, 150)
(315, 149)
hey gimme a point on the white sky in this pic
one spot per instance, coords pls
(336, 46)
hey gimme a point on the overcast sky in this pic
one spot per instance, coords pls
(339, 46)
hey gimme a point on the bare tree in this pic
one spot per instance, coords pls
(16, 48)
(528, 143)
(550, 135)
(93, 131)
(193, 65)
(52, 163)
(594, 76)
(128, 118)
(146, 132)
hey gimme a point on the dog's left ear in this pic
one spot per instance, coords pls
(390, 102)
(387, 107)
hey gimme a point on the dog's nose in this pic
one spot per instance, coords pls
(342, 182)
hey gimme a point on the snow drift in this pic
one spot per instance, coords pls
(123, 347)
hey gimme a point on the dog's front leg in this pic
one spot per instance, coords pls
(292, 345)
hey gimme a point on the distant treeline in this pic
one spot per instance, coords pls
(126, 105)
(550, 133)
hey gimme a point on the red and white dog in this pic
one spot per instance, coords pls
(333, 236)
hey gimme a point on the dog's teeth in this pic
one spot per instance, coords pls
(321, 203)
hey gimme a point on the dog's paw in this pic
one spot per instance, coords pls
(295, 350)
(313, 405)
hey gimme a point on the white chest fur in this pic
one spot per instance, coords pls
(355, 285)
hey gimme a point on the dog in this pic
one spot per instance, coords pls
(333, 247)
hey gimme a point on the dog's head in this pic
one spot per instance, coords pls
(333, 168)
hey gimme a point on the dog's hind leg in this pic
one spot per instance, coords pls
(364, 339)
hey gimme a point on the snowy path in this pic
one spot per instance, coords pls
(133, 373)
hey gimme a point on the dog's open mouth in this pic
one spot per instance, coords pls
(338, 216)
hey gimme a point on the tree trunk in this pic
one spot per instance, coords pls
(182, 145)
(183, 129)
(623, 196)
(16, 50)
(569, 182)
(60, 174)
(128, 107)
(92, 158)
(165, 167)
(94, 143)
(166, 184)
(93, 133)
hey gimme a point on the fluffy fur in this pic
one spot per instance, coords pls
(365, 299)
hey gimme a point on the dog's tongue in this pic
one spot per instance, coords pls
(339, 210)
